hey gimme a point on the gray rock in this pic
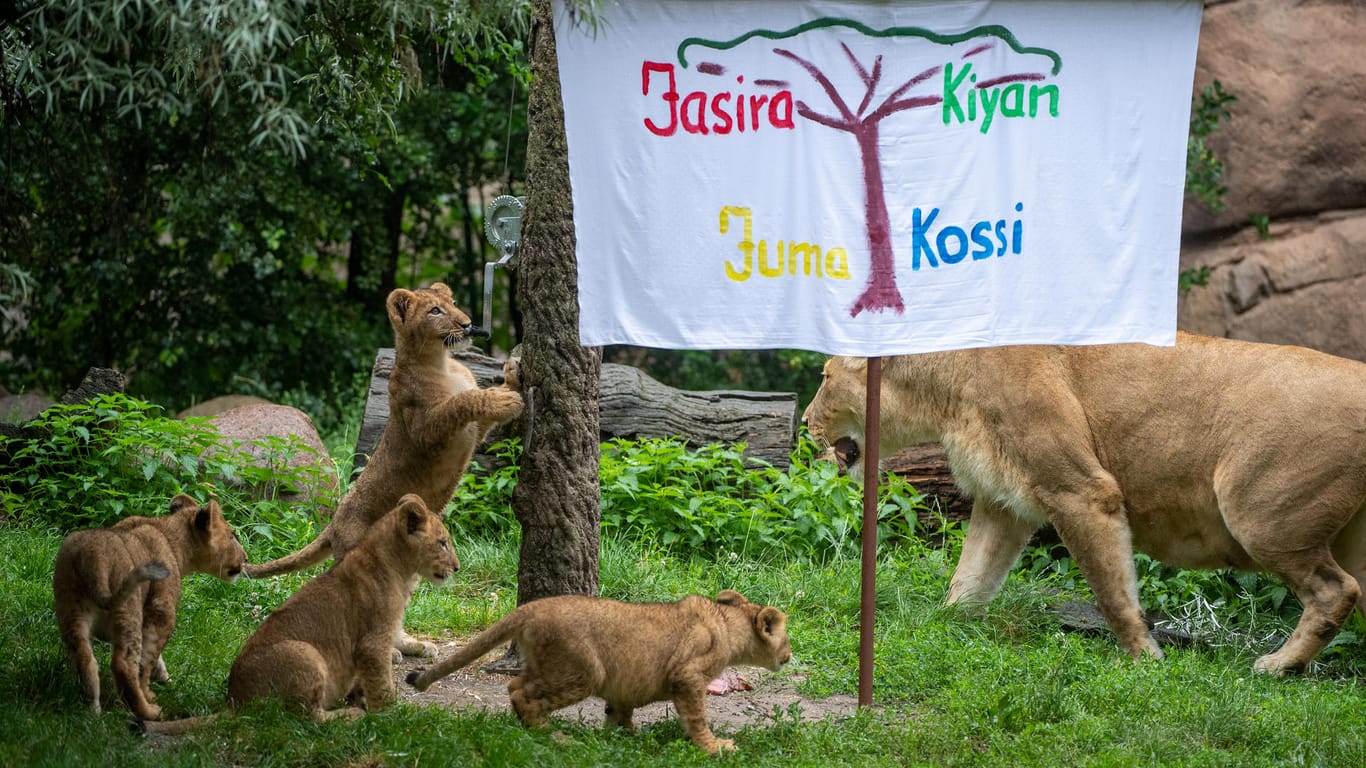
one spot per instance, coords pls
(241, 428)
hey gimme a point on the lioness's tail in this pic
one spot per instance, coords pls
(500, 631)
(315, 552)
(150, 572)
(171, 727)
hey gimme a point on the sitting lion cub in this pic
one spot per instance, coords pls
(333, 636)
(629, 654)
(122, 584)
(1208, 454)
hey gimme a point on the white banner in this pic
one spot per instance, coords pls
(877, 178)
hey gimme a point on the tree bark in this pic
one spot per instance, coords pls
(556, 500)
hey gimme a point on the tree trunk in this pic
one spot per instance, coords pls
(556, 500)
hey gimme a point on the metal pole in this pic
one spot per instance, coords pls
(868, 582)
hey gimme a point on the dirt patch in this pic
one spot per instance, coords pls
(474, 687)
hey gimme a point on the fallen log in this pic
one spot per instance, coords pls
(926, 467)
(633, 406)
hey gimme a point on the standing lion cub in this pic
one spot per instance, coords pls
(629, 654)
(437, 416)
(122, 584)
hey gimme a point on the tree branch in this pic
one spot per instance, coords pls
(891, 103)
(901, 106)
(825, 120)
(824, 82)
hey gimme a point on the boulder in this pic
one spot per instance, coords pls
(243, 429)
(18, 409)
(1306, 285)
(1294, 151)
(1296, 144)
(217, 405)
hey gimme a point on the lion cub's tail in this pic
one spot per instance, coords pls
(315, 552)
(171, 727)
(153, 571)
(500, 631)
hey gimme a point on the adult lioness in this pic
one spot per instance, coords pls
(629, 654)
(1209, 454)
(437, 416)
(122, 584)
(332, 637)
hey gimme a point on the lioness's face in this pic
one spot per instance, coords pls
(430, 314)
(836, 414)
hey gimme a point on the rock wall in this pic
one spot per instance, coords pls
(1294, 151)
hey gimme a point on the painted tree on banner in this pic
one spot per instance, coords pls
(964, 94)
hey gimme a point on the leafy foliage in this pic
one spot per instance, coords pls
(199, 190)
(1204, 171)
(710, 499)
(114, 456)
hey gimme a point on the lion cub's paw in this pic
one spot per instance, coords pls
(723, 745)
(503, 404)
(159, 672)
(512, 374)
(407, 645)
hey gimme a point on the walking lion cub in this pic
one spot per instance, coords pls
(122, 584)
(629, 654)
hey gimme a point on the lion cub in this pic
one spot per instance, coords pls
(332, 637)
(629, 654)
(122, 584)
(437, 417)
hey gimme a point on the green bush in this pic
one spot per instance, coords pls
(98, 462)
(710, 499)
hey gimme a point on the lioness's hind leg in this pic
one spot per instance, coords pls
(1349, 549)
(1329, 595)
(996, 537)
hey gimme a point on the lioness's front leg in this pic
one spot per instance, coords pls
(996, 537)
(1091, 521)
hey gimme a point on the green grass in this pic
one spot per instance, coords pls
(1010, 688)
